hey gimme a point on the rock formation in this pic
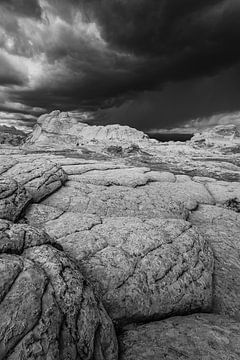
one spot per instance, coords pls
(198, 337)
(101, 238)
(222, 136)
(9, 135)
(47, 309)
(72, 133)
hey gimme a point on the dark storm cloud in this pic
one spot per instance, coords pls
(28, 8)
(93, 54)
(8, 74)
(179, 39)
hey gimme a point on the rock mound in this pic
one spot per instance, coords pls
(219, 136)
(62, 129)
(47, 309)
(39, 177)
(198, 337)
(143, 269)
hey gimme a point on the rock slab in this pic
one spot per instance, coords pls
(195, 337)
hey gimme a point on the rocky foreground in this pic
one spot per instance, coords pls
(114, 246)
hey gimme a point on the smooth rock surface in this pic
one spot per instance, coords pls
(47, 309)
(143, 269)
(195, 337)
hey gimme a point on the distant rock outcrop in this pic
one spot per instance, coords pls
(61, 128)
(11, 136)
(220, 136)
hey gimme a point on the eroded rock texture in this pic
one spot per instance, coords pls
(64, 129)
(155, 199)
(13, 199)
(39, 177)
(221, 228)
(143, 269)
(195, 337)
(47, 309)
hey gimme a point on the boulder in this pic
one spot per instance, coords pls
(221, 228)
(13, 199)
(47, 309)
(39, 177)
(143, 269)
(195, 337)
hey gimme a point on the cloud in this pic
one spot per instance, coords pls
(135, 58)
(9, 74)
(29, 8)
(19, 120)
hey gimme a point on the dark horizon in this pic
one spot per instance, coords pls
(148, 64)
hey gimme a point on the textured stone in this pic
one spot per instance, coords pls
(39, 177)
(221, 227)
(65, 129)
(195, 337)
(13, 199)
(47, 309)
(223, 191)
(156, 199)
(143, 269)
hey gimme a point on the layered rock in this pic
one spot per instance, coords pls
(63, 129)
(198, 337)
(47, 309)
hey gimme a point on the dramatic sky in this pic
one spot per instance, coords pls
(147, 63)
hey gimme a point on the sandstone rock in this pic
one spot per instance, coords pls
(11, 136)
(39, 177)
(143, 269)
(13, 199)
(198, 337)
(221, 227)
(72, 132)
(47, 309)
(156, 199)
(219, 136)
(38, 214)
(223, 191)
(131, 177)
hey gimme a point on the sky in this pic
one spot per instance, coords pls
(150, 64)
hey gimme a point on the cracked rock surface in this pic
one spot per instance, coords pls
(156, 199)
(150, 235)
(47, 309)
(13, 199)
(198, 337)
(143, 269)
(221, 228)
(39, 177)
